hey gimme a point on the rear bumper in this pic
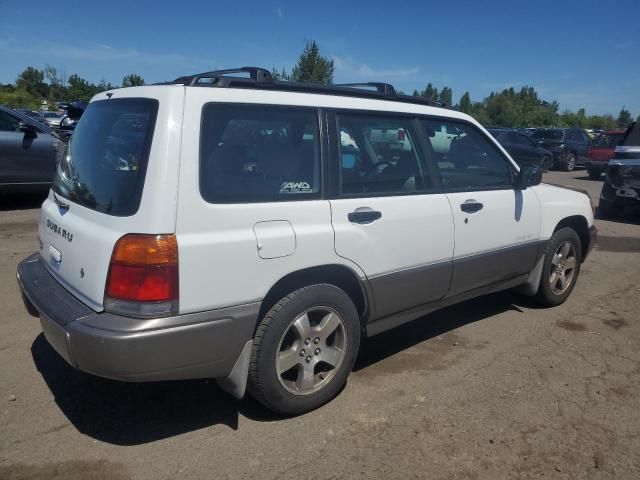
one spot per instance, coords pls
(197, 345)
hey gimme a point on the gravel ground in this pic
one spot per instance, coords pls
(492, 388)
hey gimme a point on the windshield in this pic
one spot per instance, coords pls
(105, 163)
(551, 134)
(608, 140)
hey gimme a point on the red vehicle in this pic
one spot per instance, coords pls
(602, 150)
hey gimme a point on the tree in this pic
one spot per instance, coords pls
(32, 80)
(313, 67)
(624, 118)
(465, 103)
(280, 75)
(132, 80)
(446, 96)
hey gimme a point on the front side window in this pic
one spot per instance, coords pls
(378, 155)
(259, 153)
(466, 158)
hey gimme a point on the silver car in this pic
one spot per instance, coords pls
(53, 119)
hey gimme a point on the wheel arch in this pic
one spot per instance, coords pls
(581, 226)
(338, 275)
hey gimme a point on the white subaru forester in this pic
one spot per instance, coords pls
(253, 231)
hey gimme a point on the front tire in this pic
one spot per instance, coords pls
(562, 259)
(304, 349)
(546, 163)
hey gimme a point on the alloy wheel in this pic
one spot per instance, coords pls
(311, 350)
(563, 266)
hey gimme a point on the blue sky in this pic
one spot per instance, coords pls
(582, 53)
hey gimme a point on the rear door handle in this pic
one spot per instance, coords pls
(364, 217)
(471, 206)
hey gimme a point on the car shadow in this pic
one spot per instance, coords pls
(391, 342)
(137, 413)
(22, 201)
(124, 413)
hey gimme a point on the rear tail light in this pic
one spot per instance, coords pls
(143, 276)
(401, 135)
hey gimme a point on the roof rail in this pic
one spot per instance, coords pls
(257, 74)
(384, 88)
(261, 78)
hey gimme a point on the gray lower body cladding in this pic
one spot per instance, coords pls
(197, 345)
(406, 295)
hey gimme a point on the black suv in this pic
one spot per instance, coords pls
(522, 148)
(621, 187)
(570, 146)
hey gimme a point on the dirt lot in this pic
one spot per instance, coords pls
(492, 388)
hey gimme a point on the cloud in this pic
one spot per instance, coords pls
(280, 12)
(100, 53)
(347, 66)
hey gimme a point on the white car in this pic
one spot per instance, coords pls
(249, 230)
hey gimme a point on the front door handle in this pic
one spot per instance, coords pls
(364, 217)
(471, 206)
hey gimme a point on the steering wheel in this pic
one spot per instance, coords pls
(376, 170)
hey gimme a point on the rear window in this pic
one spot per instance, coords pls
(548, 135)
(608, 140)
(259, 153)
(105, 163)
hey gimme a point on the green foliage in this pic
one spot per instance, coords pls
(465, 103)
(132, 80)
(624, 118)
(32, 80)
(446, 96)
(313, 67)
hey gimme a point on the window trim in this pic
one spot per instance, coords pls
(317, 112)
(333, 134)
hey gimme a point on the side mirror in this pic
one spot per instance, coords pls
(529, 176)
(28, 129)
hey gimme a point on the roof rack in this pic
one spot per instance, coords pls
(261, 78)
(384, 88)
(257, 74)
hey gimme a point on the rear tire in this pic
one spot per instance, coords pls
(609, 206)
(570, 162)
(594, 174)
(562, 259)
(304, 349)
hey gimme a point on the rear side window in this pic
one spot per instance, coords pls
(466, 159)
(608, 140)
(259, 153)
(105, 164)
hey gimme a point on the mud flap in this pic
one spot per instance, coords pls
(235, 383)
(533, 282)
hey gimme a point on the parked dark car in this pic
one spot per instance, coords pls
(39, 117)
(603, 150)
(570, 146)
(28, 152)
(621, 187)
(522, 148)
